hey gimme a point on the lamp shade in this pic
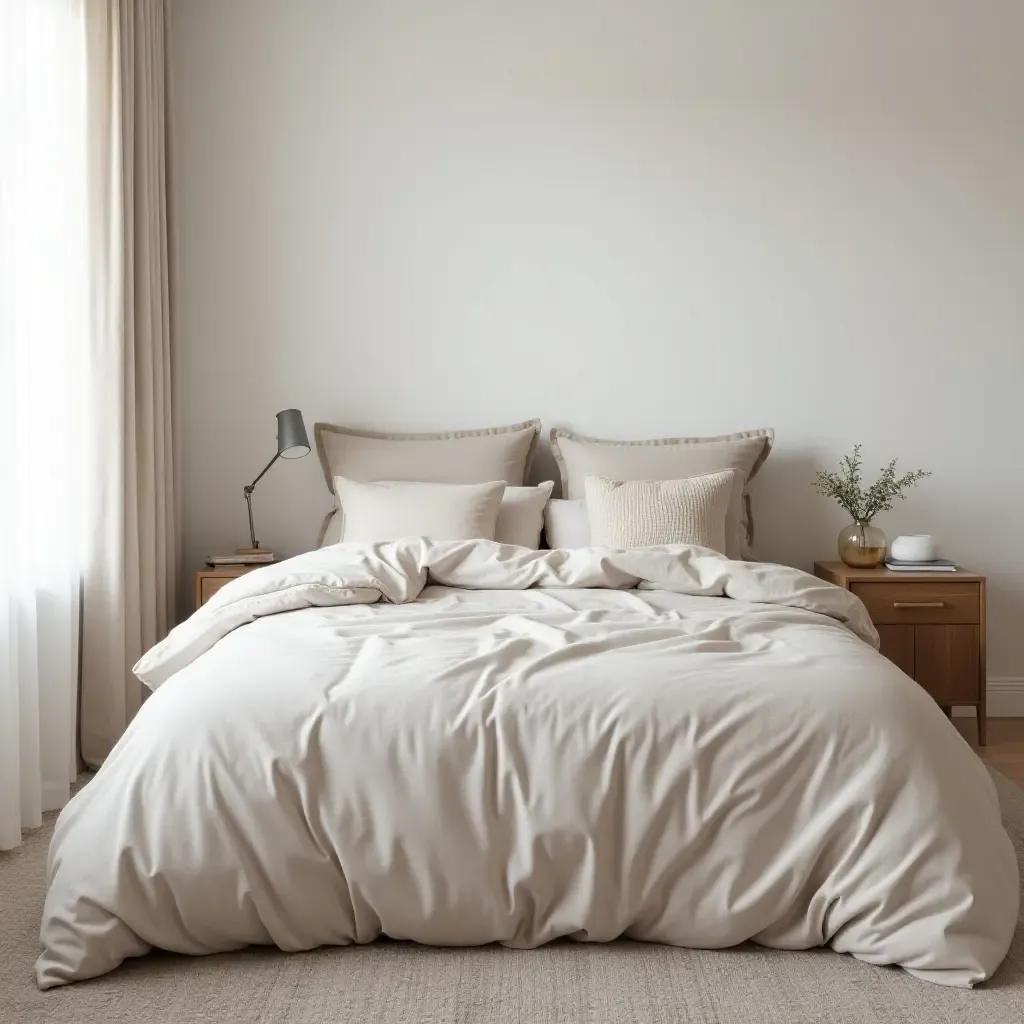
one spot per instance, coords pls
(292, 442)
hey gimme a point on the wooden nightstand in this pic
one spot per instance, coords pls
(209, 581)
(932, 624)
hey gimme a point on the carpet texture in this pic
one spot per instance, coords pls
(398, 983)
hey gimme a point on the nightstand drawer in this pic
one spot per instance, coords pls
(209, 585)
(912, 603)
(209, 581)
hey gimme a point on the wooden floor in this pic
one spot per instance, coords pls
(1005, 748)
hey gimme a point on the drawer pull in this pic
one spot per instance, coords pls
(919, 604)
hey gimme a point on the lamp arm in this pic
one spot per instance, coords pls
(248, 489)
(252, 530)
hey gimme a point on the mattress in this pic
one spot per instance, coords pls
(466, 743)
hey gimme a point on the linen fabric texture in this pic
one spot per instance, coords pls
(466, 742)
(648, 513)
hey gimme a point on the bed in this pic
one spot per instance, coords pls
(469, 742)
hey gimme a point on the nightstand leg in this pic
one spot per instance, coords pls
(982, 723)
(948, 710)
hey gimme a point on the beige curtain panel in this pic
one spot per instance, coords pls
(131, 496)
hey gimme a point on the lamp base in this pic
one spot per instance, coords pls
(254, 551)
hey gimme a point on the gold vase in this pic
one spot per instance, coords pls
(861, 545)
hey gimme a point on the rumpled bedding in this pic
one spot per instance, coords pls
(465, 742)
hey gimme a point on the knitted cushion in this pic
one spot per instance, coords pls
(646, 513)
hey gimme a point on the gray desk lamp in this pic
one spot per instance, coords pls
(292, 443)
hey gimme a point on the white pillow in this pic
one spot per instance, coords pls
(566, 524)
(521, 516)
(388, 510)
(647, 513)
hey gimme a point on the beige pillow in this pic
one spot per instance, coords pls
(454, 457)
(670, 458)
(647, 513)
(388, 510)
(520, 517)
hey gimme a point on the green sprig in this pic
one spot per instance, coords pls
(864, 504)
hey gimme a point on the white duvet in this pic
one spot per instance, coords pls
(465, 743)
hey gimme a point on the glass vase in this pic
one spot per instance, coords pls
(862, 545)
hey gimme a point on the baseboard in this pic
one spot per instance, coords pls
(1005, 699)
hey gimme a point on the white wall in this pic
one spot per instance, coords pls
(633, 218)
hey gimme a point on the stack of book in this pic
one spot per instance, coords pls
(935, 565)
(248, 558)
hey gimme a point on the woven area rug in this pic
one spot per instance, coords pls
(399, 983)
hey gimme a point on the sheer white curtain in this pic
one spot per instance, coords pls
(88, 479)
(44, 324)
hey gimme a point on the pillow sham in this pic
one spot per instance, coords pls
(670, 458)
(453, 457)
(388, 510)
(566, 524)
(647, 513)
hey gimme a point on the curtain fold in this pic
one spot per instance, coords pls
(131, 495)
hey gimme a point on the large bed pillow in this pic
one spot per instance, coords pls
(454, 457)
(520, 518)
(670, 458)
(647, 513)
(390, 509)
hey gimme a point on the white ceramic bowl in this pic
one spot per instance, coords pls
(916, 547)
